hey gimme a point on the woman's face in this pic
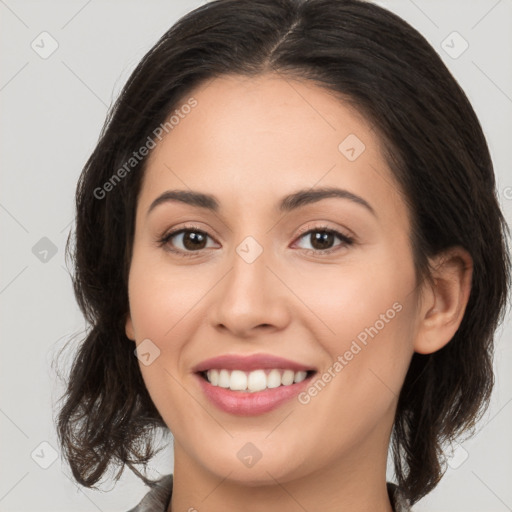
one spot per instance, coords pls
(266, 273)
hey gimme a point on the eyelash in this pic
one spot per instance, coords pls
(164, 239)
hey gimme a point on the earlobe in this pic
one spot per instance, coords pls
(444, 300)
(129, 328)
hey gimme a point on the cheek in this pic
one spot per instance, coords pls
(162, 311)
(161, 307)
(356, 294)
(160, 300)
(370, 313)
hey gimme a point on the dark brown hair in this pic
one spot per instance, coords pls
(436, 150)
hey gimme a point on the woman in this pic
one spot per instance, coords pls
(291, 255)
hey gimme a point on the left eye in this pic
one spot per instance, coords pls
(322, 239)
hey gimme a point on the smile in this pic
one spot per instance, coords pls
(247, 385)
(252, 402)
(251, 382)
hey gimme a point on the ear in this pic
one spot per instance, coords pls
(128, 326)
(444, 300)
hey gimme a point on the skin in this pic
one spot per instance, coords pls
(250, 142)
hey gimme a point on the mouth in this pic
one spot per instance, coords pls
(256, 380)
(253, 393)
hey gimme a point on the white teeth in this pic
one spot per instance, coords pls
(257, 380)
(213, 377)
(274, 379)
(223, 378)
(287, 377)
(300, 376)
(238, 381)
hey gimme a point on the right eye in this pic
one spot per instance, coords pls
(189, 240)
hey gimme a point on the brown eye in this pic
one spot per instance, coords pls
(194, 240)
(185, 240)
(324, 239)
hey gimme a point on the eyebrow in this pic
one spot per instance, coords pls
(288, 203)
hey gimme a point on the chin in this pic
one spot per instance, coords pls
(265, 468)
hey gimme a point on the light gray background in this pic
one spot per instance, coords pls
(52, 111)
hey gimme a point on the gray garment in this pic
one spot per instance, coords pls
(159, 497)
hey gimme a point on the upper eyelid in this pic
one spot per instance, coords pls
(302, 232)
(307, 229)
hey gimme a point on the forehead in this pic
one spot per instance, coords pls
(252, 139)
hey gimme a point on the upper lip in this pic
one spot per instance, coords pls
(250, 362)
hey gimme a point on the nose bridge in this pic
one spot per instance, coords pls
(250, 295)
(248, 280)
(251, 248)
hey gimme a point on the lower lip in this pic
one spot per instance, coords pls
(247, 403)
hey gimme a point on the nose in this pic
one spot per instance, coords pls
(250, 298)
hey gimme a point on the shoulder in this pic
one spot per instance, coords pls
(158, 498)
